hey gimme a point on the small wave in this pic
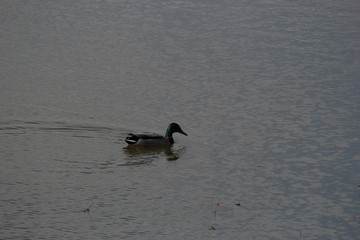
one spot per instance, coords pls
(17, 127)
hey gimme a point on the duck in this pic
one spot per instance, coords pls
(153, 139)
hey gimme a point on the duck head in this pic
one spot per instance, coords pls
(173, 128)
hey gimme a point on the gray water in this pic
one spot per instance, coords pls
(267, 90)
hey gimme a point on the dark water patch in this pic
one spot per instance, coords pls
(137, 162)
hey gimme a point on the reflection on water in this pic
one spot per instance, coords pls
(144, 155)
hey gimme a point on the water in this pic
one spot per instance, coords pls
(268, 92)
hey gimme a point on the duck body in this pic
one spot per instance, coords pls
(152, 139)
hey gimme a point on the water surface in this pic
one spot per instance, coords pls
(268, 92)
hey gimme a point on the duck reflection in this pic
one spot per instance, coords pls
(144, 155)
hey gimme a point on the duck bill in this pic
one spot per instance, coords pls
(182, 132)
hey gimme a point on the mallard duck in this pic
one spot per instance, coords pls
(152, 139)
